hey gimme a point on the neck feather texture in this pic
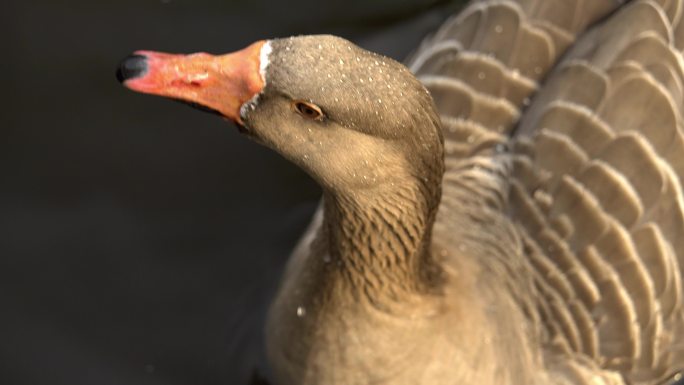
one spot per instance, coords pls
(381, 241)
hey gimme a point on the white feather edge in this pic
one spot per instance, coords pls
(263, 65)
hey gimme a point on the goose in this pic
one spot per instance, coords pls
(507, 208)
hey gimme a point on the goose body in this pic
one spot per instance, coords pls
(514, 216)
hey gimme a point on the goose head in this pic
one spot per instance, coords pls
(352, 119)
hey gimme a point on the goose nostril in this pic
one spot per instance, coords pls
(132, 66)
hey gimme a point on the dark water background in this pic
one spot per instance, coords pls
(140, 240)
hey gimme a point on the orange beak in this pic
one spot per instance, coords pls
(221, 83)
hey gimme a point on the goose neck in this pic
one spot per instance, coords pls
(381, 241)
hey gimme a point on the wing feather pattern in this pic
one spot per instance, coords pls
(616, 99)
(585, 112)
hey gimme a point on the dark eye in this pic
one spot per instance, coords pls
(308, 110)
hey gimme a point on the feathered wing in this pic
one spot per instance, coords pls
(483, 65)
(594, 188)
(597, 189)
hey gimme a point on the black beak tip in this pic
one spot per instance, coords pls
(131, 67)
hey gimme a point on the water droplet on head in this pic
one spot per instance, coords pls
(498, 29)
(481, 75)
(301, 311)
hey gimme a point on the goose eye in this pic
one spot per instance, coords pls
(308, 110)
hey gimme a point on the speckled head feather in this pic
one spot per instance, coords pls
(389, 104)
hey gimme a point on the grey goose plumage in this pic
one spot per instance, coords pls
(527, 228)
